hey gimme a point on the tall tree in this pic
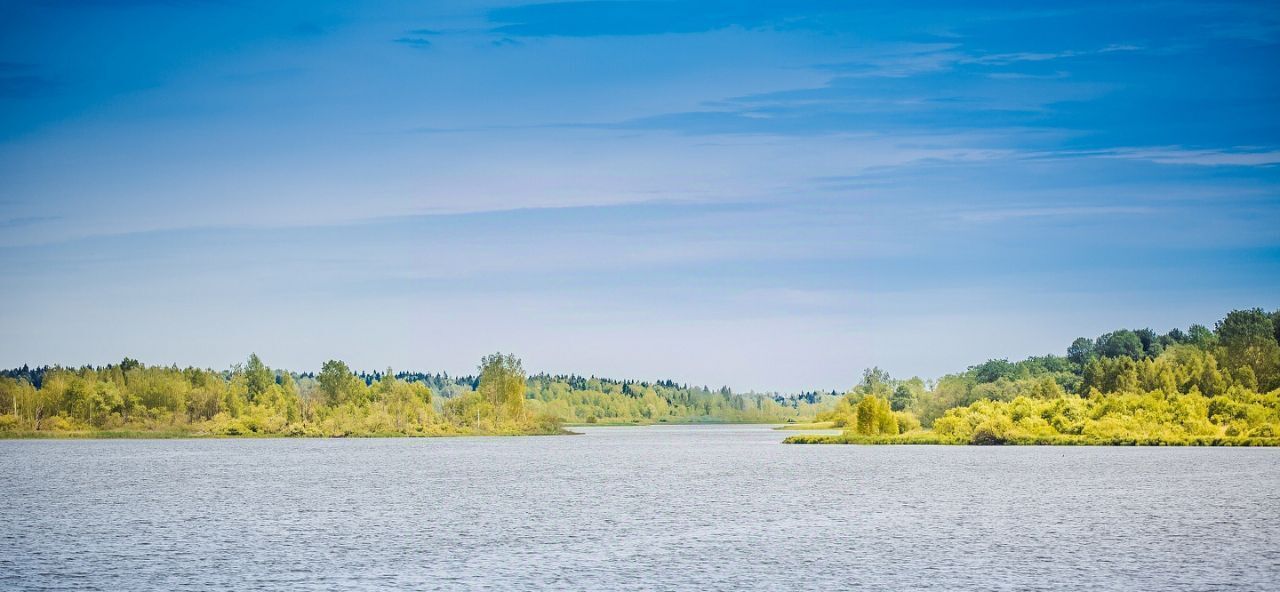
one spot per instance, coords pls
(875, 382)
(337, 383)
(1122, 343)
(903, 397)
(258, 378)
(1151, 346)
(1201, 337)
(993, 370)
(502, 383)
(1248, 336)
(1081, 351)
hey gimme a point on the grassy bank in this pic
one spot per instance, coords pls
(931, 438)
(701, 420)
(108, 435)
(816, 425)
(192, 434)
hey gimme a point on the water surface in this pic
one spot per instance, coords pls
(628, 508)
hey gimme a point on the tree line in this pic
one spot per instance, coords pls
(1198, 386)
(254, 399)
(578, 399)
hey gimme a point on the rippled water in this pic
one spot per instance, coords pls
(688, 508)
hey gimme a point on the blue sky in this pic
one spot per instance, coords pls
(769, 195)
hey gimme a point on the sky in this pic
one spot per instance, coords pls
(766, 195)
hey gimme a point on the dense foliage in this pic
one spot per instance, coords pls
(595, 400)
(253, 399)
(1198, 386)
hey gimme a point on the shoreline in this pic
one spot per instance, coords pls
(564, 430)
(929, 439)
(185, 435)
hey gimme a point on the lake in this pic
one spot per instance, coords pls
(632, 508)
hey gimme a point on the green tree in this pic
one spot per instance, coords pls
(1122, 343)
(1249, 339)
(1201, 337)
(1045, 387)
(502, 383)
(10, 390)
(258, 378)
(874, 416)
(875, 382)
(1126, 377)
(903, 397)
(1081, 351)
(1151, 346)
(993, 370)
(337, 383)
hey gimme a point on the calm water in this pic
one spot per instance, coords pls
(667, 508)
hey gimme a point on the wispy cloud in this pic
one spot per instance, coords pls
(414, 42)
(633, 17)
(418, 38)
(1006, 214)
(913, 59)
(578, 171)
(12, 223)
(22, 81)
(1004, 59)
(1238, 156)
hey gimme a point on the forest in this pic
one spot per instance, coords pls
(131, 399)
(1193, 386)
(1200, 386)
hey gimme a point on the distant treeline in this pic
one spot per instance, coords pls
(1198, 386)
(254, 399)
(590, 400)
(1201, 385)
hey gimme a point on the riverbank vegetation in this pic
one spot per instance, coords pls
(580, 400)
(1126, 387)
(131, 399)
(1200, 386)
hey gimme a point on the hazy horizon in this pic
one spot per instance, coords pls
(766, 197)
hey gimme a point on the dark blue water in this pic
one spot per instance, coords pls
(672, 508)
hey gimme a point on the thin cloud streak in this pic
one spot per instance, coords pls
(767, 195)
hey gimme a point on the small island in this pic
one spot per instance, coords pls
(1198, 387)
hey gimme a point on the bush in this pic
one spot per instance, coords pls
(875, 416)
(546, 423)
(57, 423)
(294, 430)
(993, 431)
(907, 421)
